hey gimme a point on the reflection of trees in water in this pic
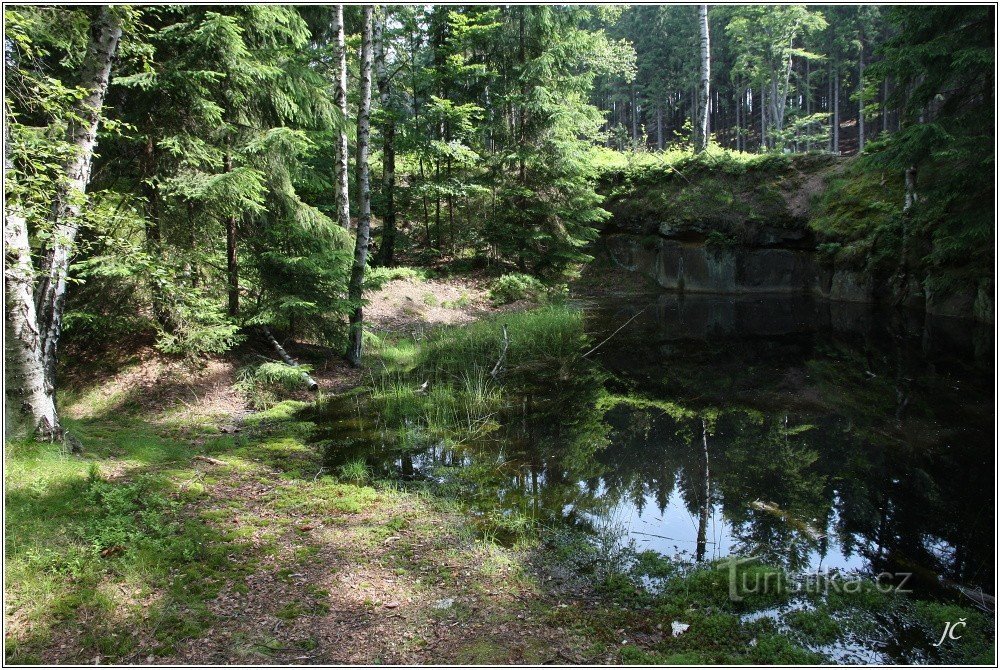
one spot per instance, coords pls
(860, 438)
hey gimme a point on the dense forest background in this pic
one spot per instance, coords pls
(238, 149)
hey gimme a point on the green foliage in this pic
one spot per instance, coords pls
(515, 286)
(377, 277)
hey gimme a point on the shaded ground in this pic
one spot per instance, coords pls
(289, 564)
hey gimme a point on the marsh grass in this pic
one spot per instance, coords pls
(451, 385)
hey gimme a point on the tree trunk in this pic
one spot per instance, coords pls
(763, 121)
(365, 214)
(386, 250)
(836, 111)
(340, 99)
(808, 107)
(701, 136)
(706, 491)
(659, 126)
(829, 100)
(861, 102)
(910, 187)
(81, 134)
(885, 105)
(634, 109)
(232, 269)
(31, 406)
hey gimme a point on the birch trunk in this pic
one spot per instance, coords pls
(703, 84)
(30, 406)
(387, 249)
(706, 491)
(81, 134)
(364, 219)
(340, 99)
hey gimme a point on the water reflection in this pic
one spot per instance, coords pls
(816, 435)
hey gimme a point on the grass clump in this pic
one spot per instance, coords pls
(354, 472)
(263, 385)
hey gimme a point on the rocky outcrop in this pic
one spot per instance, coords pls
(734, 231)
(697, 267)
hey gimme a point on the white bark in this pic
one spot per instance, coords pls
(105, 31)
(703, 90)
(30, 398)
(364, 219)
(910, 187)
(340, 99)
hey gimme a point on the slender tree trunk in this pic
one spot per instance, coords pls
(701, 141)
(706, 491)
(340, 99)
(31, 405)
(386, 250)
(364, 219)
(232, 268)
(763, 121)
(836, 111)
(910, 188)
(885, 105)
(634, 108)
(81, 134)
(808, 106)
(829, 100)
(861, 102)
(659, 127)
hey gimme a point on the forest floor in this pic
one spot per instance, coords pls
(194, 530)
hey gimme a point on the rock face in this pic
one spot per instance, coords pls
(734, 232)
(697, 267)
(692, 265)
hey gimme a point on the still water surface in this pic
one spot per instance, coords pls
(819, 436)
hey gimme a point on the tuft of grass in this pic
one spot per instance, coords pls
(262, 385)
(354, 472)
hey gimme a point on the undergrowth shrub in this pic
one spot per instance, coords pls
(515, 286)
(376, 278)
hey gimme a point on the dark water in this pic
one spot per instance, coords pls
(819, 436)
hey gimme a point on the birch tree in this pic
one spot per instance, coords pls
(767, 42)
(383, 79)
(340, 99)
(701, 142)
(34, 314)
(364, 219)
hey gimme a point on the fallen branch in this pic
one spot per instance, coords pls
(310, 382)
(503, 354)
(207, 459)
(634, 317)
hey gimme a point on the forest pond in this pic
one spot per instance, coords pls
(818, 436)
